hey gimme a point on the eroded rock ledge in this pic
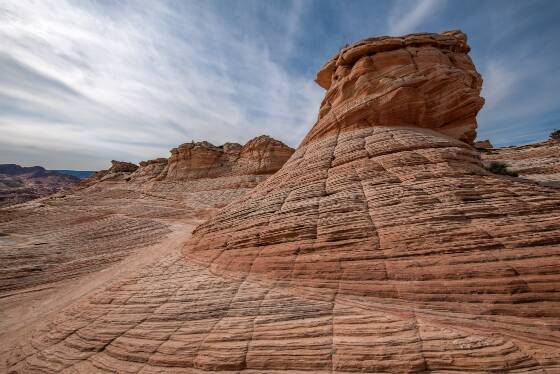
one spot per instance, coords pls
(391, 81)
(261, 155)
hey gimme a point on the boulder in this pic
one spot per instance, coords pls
(483, 144)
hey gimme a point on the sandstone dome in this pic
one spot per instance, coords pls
(381, 246)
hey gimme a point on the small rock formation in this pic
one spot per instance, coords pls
(119, 171)
(122, 167)
(148, 170)
(20, 184)
(261, 155)
(200, 173)
(483, 144)
(382, 245)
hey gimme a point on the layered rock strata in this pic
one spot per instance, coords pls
(260, 156)
(201, 173)
(148, 170)
(50, 245)
(539, 161)
(119, 171)
(421, 80)
(382, 245)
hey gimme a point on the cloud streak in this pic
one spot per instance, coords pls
(83, 82)
(97, 77)
(407, 16)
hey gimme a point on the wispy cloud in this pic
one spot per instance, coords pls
(86, 81)
(407, 15)
(141, 79)
(499, 83)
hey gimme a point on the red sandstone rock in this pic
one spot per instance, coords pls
(382, 245)
(122, 167)
(118, 171)
(483, 144)
(391, 81)
(261, 155)
(201, 174)
(148, 170)
(427, 262)
(120, 212)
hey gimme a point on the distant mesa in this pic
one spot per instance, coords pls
(19, 184)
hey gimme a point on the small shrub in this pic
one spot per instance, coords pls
(500, 168)
(555, 135)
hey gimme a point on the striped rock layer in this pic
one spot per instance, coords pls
(200, 174)
(538, 161)
(381, 246)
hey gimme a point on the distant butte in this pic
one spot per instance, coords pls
(382, 245)
(20, 184)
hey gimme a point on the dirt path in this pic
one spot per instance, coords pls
(21, 314)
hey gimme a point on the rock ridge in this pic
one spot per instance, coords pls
(260, 155)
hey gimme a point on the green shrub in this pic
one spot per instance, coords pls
(500, 168)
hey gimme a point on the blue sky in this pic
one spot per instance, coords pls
(84, 82)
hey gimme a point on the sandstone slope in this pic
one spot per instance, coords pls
(48, 245)
(382, 245)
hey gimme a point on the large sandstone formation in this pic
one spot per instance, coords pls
(381, 246)
(20, 184)
(421, 80)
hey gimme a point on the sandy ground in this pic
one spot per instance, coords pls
(20, 314)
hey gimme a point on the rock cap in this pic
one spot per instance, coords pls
(454, 40)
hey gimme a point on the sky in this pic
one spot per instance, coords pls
(84, 82)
